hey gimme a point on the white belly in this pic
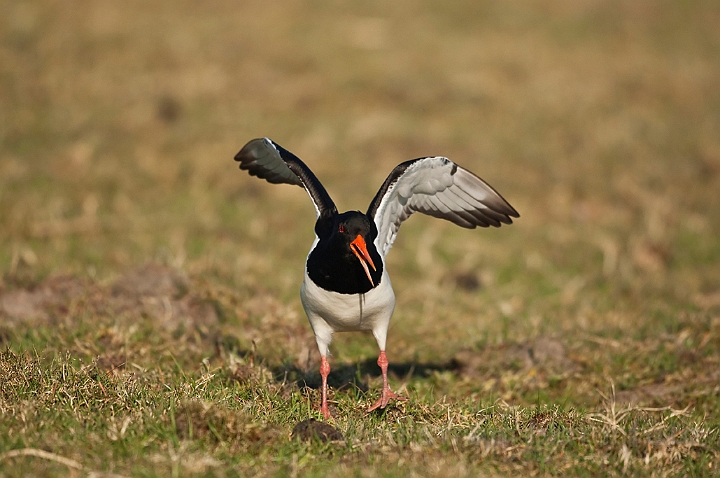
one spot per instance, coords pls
(330, 312)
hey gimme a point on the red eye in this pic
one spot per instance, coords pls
(341, 229)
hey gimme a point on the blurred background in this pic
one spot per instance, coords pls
(599, 121)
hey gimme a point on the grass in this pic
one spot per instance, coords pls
(149, 315)
(218, 418)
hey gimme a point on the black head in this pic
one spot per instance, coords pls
(353, 223)
(345, 259)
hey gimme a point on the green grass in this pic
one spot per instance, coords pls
(150, 323)
(211, 419)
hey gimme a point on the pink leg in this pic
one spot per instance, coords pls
(324, 372)
(386, 394)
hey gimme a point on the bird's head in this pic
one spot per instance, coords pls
(355, 231)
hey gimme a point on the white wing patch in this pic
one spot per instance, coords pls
(438, 187)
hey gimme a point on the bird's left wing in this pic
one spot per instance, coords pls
(265, 159)
(437, 187)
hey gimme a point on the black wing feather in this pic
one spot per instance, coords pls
(268, 160)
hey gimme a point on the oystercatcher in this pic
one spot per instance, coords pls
(346, 285)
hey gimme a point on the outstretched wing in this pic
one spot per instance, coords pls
(437, 187)
(265, 159)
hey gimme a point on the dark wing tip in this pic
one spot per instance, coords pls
(501, 215)
(262, 158)
(498, 207)
(250, 152)
(507, 212)
(512, 212)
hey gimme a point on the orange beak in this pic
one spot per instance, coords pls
(359, 248)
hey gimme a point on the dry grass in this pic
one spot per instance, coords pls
(148, 301)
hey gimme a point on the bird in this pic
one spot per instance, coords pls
(346, 286)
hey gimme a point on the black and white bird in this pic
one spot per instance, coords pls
(346, 285)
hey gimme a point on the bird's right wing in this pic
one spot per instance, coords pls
(265, 159)
(437, 187)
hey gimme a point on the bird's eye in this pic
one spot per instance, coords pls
(341, 229)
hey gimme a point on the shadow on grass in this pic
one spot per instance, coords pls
(349, 375)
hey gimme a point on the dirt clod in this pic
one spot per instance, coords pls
(152, 280)
(311, 428)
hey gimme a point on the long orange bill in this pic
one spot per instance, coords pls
(359, 248)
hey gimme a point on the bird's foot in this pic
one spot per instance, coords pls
(385, 398)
